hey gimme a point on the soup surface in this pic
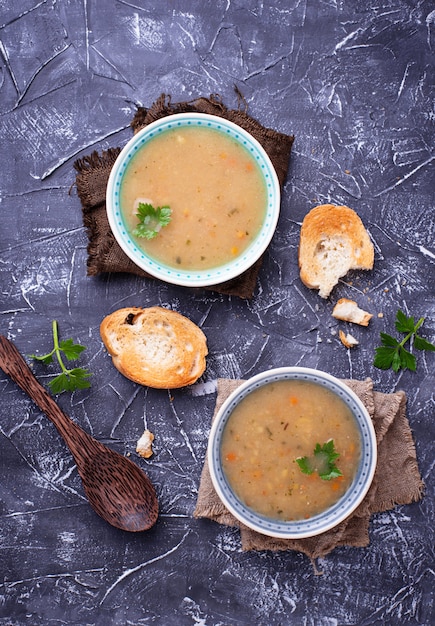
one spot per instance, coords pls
(272, 427)
(214, 188)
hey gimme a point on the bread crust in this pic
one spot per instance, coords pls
(155, 347)
(144, 445)
(347, 339)
(349, 311)
(333, 240)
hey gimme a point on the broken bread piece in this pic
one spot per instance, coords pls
(155, 347)
(144, 446)
(347, 340)
(349, 311)
(333, 240)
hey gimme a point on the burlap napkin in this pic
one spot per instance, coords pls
(397, 478)
(104, 253)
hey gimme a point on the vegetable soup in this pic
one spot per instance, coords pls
(269, 442)
(215, 191)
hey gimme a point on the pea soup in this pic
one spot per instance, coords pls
(214, 188)
(271, 428)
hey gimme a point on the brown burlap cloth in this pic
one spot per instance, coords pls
(104, 253)
(397, 478)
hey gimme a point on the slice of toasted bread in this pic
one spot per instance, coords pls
(155, 347)
(333, 241)
(349, 311)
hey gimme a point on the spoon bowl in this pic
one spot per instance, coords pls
(117, 489)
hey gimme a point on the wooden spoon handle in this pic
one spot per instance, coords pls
(14, 365)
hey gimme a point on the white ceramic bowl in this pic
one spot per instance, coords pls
(174, 275)
(343, 507)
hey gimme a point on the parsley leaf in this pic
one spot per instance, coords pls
(305, 465)
(151, 220)
(404, 324)
(46, 358)
(393, 354)
(422, 344)
(69, 379)
(70, 349)
(321, 461)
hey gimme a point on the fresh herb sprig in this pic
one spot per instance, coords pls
(151, 220)
(321, 461)
(393, 354)
(69, 379)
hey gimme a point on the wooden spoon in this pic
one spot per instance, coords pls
(116, 488)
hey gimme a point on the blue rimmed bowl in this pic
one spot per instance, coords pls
(332, 516)
(173, 274)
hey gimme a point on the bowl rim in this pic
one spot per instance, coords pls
(194, 278)
(326, 520)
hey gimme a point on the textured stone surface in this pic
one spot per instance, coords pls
(353, 81)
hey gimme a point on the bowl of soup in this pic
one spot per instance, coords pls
(292, 452)
(193, 199)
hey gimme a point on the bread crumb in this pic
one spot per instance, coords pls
(347, 340)
(144, 444)
(349, 311)
(381, 315)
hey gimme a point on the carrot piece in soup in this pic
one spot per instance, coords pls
(336, 483)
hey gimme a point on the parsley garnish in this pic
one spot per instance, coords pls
(393, 353)
(69, 379)
(151, 220)
(322, 461)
